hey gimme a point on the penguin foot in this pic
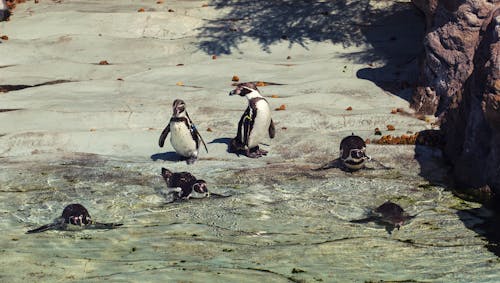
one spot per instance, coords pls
(191, 160)
(256, 153)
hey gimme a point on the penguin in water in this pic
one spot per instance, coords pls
(185, 138)
(74, 217)
(182, 184)
(389, 214)
(352, 152)
(254, 124)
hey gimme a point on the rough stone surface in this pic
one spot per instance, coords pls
(460, 82)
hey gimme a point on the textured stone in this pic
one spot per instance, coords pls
(460, 83)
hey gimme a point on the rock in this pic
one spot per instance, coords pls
(460, 82)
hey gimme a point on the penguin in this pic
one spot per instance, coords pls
(352, 152)
(185, 138)
(389, 214)
(74, 217)
(254, 124)
(392, 214)
(182, 184)
(4, 11)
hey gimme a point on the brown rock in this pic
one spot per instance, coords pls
(460, 82)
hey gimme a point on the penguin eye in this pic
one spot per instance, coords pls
(244, 91)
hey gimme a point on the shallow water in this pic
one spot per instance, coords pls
(94, 141)
(279, 223)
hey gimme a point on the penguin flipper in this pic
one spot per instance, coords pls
(272, 130)
(98, 225)
(164, 135)
(365, 220)
(51, 226)
(195, 132)
(199, 135)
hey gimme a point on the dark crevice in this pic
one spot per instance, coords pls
(7, 88)
(8, 110)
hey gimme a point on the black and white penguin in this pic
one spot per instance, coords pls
(254, 124)
(352, 152)
(185, 138)
(183, 184)
(74, 217)
(4, 11)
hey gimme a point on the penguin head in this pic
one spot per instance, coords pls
(201, 187)
(179, 108)
(353, 152)
(246, 89)
(76, 214)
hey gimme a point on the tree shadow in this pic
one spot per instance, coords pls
(396, 40)
(394, 33)
(295, 22)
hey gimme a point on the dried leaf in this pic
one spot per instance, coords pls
(391, 128)
(209, 129)
(274, 96)
(141, 10)
(4, 37)
(348, 108)
(179, 83)
(103, 62)
(235, 79)
(281, 108)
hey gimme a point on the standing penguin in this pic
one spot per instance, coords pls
(352, 152)
(183, 183)
(254, 124)
(185, 138)
(75, 216)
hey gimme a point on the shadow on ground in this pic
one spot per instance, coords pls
(296, 22)
(166, 156)
(394, 33)
(486, 226)
(437, 171)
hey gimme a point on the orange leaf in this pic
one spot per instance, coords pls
(281, 108)
(235, 79)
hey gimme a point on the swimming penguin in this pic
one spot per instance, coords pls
(183, 183)
(388, 214)
(185, 138)
(352, 152)
(75, 216)
(254, 124)
(392, 214)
